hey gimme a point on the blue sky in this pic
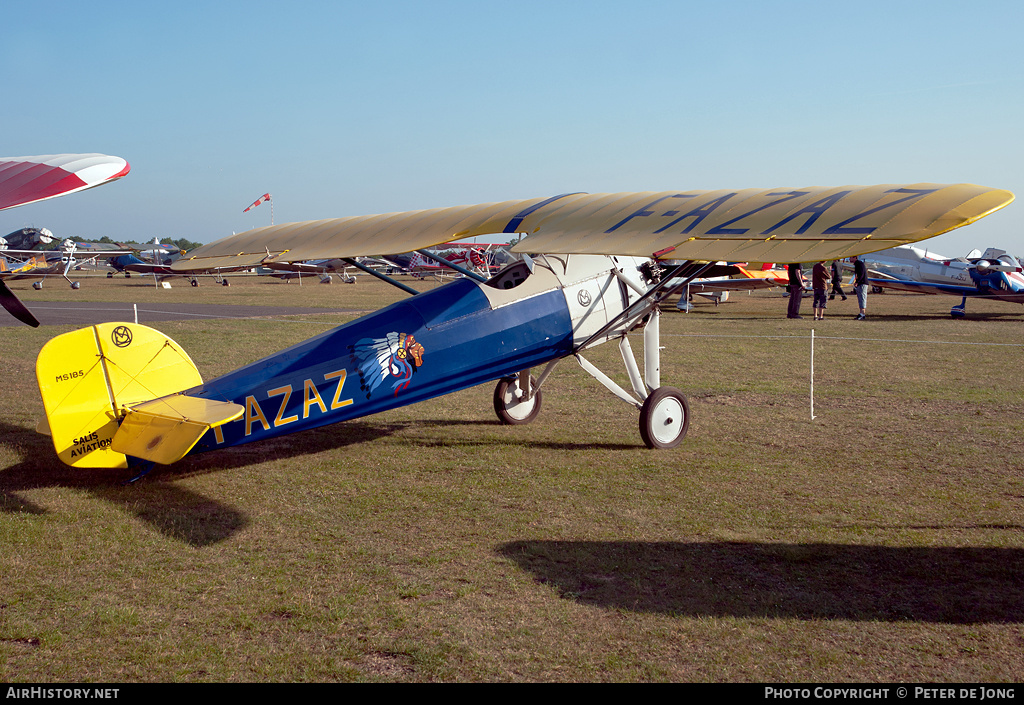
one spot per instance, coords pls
(350, 108)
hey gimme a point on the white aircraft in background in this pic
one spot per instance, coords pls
(993, 274)
(910, 263)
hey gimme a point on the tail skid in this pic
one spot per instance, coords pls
(113, 390)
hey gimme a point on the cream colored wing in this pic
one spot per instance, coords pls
(756, 225)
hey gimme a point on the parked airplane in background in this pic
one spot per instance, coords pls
(723, 278)
(17, 255)
(155, 259)
(18, 266)
(481, 259)
(994, 274)
(33, 264)
(121, 395)
(324, 269)
(26, 239)
(911, 263)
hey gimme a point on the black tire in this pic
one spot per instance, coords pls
(507, 406)
(664, 418)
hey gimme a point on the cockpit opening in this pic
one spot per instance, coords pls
(511, 276)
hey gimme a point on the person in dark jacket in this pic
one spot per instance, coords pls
(796, 290)
(837, 281)
(860, 286)
(819, 283)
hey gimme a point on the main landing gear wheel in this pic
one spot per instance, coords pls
(509, 404)
(664, 418)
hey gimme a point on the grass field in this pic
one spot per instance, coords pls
(881, 541)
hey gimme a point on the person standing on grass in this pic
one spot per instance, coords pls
(819, 282)
(837, 281)
(796, 289)
(860, 286)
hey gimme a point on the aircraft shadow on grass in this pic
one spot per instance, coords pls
(181, 513)
(431, 439)
(947, 585)
(169, 508)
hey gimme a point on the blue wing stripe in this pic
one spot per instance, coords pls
(519, 217)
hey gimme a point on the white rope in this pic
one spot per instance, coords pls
(830, 337)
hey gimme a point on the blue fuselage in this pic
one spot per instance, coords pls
(435, 343)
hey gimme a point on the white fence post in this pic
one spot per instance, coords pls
(812, 374)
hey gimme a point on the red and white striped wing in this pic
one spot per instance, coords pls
(30, 179)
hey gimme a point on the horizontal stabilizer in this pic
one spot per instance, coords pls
(165, 430)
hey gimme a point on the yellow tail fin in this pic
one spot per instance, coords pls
(89, 377)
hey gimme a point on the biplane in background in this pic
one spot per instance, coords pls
(25, 180)
(120, 395)
(453, 258)
(994, 274)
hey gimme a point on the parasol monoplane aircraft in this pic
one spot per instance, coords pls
(120, 395)
(26, 180)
